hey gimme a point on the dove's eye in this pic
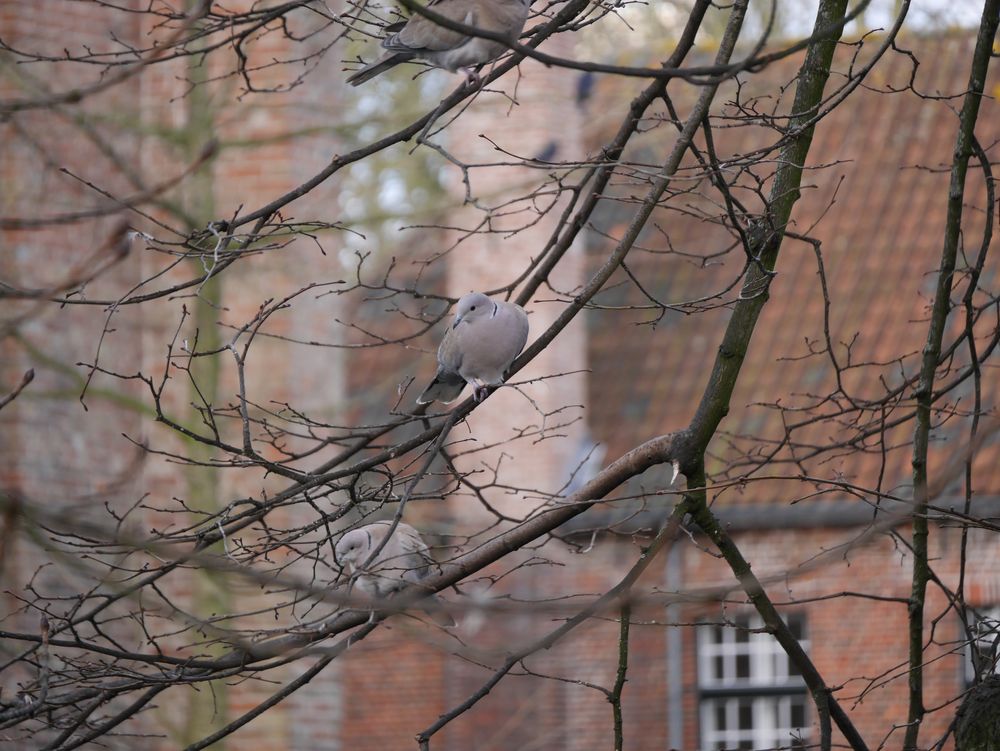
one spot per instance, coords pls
(473, 307)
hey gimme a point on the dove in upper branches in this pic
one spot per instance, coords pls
(477, 349)
(420, 38)
(403, 560)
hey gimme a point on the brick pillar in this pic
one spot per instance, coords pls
(545, 116)
(277, 370)
(544, 120)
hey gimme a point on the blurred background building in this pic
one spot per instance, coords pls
(702, 675)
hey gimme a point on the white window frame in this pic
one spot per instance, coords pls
(769, 692)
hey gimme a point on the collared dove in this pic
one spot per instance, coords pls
(402, 561)
(482, 342)
(421, 38)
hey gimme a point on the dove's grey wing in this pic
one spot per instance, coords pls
(506, 17)
(391, 551)
(420, 565)
(383, 575)
(448, 382)
(409, 41)
(418, 558)
(421, 36)
(515, 322)
(450, 351)
(404, 558)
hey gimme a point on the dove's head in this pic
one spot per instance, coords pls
(473, 306)
(352, 548)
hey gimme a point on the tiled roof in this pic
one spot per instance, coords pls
(875, 197)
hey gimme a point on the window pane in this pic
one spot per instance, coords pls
(793, 669)
(746, 715)
(798, 714)
(742, 666)
(796, 624)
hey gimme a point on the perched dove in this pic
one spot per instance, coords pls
(421, 38)
(402, 561)
(481, 344)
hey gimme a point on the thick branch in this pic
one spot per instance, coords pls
(765, 244)
(766, 238)
(932, 350)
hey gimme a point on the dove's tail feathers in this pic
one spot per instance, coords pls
(443, 389)
(376, 68)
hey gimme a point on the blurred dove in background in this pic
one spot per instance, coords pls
(420, 38)
(482, 342)
(402, 561)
